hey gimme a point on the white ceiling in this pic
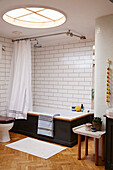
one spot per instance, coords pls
(81, 15)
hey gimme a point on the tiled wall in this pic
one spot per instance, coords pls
(63, 75)
(5, 63)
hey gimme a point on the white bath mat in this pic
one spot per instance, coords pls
(36, 147)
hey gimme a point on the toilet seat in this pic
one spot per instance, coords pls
(5, 119)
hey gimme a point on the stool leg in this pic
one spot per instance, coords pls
(86, 145)
(96, 151)
(79, 147)
(103, 142)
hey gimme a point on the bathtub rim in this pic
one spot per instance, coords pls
(63, 118)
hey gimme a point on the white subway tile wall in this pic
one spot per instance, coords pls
(5, 64)
(63, 75)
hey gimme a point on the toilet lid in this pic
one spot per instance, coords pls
(5, 119)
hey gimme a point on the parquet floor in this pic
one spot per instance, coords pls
(66, 160)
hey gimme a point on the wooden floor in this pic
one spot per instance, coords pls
(11, 159)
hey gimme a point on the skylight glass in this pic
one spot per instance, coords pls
(17, 12)
(34, 17)
(51, 14)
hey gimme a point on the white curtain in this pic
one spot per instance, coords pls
(20, 95)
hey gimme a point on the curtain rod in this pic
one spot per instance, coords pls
(48, 35)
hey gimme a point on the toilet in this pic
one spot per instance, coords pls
(6, 123)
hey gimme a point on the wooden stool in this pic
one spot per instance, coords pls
(80, 130)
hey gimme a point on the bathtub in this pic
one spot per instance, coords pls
(63, 125)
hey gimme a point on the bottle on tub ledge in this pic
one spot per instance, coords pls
(82, 107)
(73, 108)
(78, 108)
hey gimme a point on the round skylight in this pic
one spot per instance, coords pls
(34, 17)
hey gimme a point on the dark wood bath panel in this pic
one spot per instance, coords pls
(63, 133)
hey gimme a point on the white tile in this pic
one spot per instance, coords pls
(61, 74)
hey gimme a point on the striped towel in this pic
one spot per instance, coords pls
(46, 125)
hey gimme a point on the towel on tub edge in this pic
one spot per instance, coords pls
(46, 124)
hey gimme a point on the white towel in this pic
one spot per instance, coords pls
(46, 125)
(45, 132)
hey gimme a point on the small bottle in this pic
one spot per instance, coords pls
(82, 108)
